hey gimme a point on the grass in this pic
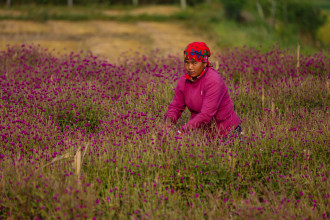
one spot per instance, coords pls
(200, 18)
(323, 4)
(324, 31)
(252, 31)
(134, 167)
(81, 13)
(236, 35)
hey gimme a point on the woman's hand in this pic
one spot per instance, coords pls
(179, 133)
(168, 123)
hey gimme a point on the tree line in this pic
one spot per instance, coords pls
(301, 13)
(71, 3)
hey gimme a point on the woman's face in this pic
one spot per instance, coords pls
(194, 68)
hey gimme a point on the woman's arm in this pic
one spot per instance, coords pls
(177, 105)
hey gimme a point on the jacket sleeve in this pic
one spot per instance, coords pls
(177, 106)
(214, 92)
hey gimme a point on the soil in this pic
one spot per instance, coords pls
(148, 10)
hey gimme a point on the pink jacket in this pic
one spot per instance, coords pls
(207, 98)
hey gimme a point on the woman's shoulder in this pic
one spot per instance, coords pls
(213, 75)
(181, 81)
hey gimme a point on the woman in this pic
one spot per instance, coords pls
(205, 94)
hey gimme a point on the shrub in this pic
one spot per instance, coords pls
(307, 17)
(233, 8)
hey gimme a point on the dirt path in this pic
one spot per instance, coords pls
(108, 38)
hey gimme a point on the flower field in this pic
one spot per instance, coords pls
(82, 137)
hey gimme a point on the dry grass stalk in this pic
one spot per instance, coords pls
(85, 150)
(273, 107)
(298, 59)
(77, 161)
(78, 158)
(298, 56)
(64, 156)
(263, 98)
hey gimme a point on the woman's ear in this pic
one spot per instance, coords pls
(204, 64)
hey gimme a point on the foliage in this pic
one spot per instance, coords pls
(233, 8)
(210, 20)
(324, 32)
(307, 17)
(134, 167)
(89, 3)
(304, 14)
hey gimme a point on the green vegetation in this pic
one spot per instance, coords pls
(233, 8)
(84, 138)
(324, 32)
(227, 22)
(128, 165)
(322, 4)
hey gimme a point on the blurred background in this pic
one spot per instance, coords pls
(121, 28)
